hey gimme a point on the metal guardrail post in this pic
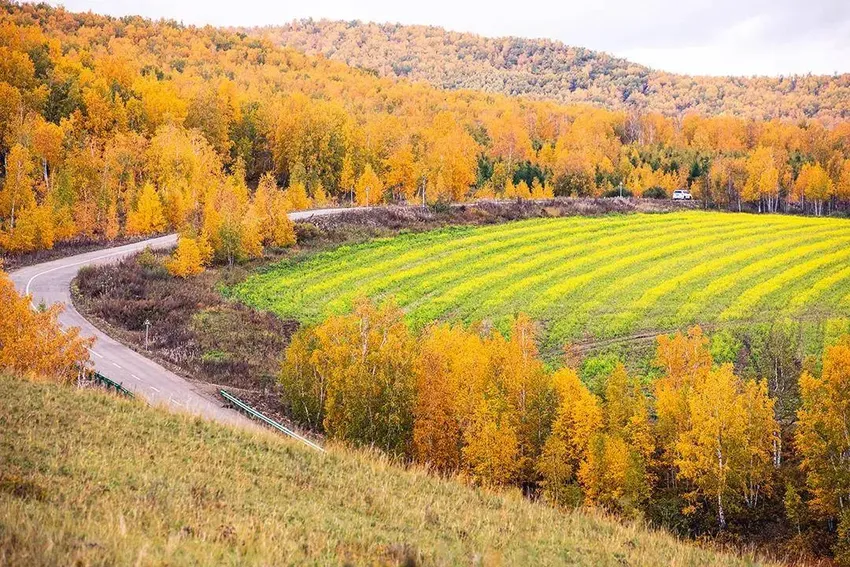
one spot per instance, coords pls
(251, 412)
(119, 389)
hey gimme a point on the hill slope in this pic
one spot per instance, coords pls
(91, 479)
(548, 69)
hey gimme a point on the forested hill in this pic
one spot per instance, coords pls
(548, 69)
(126, 126)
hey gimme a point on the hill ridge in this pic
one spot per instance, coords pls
(550, 69)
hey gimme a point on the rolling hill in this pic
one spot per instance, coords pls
(546, 69)
(89, 479)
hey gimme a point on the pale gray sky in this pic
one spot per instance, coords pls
(716, 37)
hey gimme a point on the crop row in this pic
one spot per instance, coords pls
(598, 276)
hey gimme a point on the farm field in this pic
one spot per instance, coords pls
(582, 277)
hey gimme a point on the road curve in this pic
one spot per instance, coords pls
(50, 283)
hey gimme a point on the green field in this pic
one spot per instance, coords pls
(583, 277)
(90, 479)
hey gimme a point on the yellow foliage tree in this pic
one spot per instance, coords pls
(612, 475)
(814, 185)
(684, 360)
(112, 226)
(366, 362)
(842, 185)
(17, 191)
(281, 230)
(320, 196)
(451, 372)
(726, 450)
(252, 234)
(541, 190)
(369, 189)
(520, 381)
(518, 191)
(578, 419)
(402, 172)
(491, 448)
(187, 259)
(33, 230)
(615, 473)
(762, 183)
(147, 217)
(296, 197)
(270, 205)
(303, 383)
(450, 159)
(822, 432)
(33, 344)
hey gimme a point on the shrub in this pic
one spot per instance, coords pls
(654, 193)
(617, 192)
(186, 260)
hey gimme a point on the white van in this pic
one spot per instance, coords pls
(682, 195)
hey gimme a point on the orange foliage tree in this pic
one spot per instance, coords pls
(822, 432)
(33, 344)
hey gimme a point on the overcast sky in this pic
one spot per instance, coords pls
(717, 37)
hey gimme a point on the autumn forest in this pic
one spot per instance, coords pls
(513, 302)
(126, 126)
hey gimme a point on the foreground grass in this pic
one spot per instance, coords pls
(89, 479)
(597, 277)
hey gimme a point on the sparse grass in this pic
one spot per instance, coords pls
(583, 277)
(90, 479)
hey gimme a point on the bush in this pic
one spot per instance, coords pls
(617, 192)
(655, 193)
(187, 259)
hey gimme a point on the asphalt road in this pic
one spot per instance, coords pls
(50, 283)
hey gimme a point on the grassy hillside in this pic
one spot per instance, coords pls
(549, 69)
(90, 479)
(598, 276)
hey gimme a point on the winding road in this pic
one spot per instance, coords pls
(50, 283)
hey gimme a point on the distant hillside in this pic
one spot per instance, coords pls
(89, 479)
(551, 70)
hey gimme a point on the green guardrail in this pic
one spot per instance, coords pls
(111, 384)
(252, 413)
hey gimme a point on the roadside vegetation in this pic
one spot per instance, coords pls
(100, 480)
(33, 344)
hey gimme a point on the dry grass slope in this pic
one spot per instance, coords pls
(88, 479)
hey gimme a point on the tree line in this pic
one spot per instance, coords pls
(698, 447)
(125, 126)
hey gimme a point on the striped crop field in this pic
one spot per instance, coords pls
(582, 277)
